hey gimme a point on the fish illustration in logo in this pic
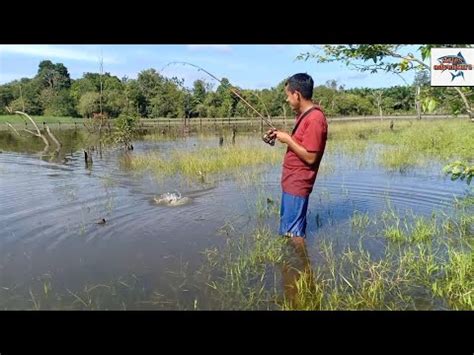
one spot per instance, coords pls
(453, 62)
(461, 73)
(452, 59)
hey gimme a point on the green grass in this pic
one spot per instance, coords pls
(410, 141)
(457, 282)
(265, 205)
(42, 293)
(394, 230)
(395, 234)
(245, 262)
(443, 139)
(204, 163)
(418, 230)
(423, 231)
(238, 276)
(354, 131)
(399, 159)
(360, 220)
(418, 262)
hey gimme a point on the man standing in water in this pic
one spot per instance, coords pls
(306, 146)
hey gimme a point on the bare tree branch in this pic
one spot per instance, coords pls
(408, 58)
(464, 99)
(38, 134)
(33, 133)
(53, 138)
(13, 128)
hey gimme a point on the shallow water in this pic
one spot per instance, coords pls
(49, 213)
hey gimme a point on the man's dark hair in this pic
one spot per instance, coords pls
(301, 82)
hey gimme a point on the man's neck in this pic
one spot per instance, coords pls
(305, 107)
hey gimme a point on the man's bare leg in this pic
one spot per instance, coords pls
(292, 272)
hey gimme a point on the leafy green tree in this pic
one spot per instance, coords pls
(26, 96)
(53, 76)
(350, 104)
(57, 103)
(150, 86)
(199, 92)
(125, 129)
(114, 103)
(228, 101)
(326, 97)
(279, 105)
(169, 100)
(80, 86)
(6, 96)
(22, 105)
(135, 101)
(89, 104)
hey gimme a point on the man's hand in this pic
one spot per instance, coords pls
(283, 137)
(271, 131)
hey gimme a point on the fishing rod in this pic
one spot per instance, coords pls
(266, 137)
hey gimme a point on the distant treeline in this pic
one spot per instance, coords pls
(52, 92)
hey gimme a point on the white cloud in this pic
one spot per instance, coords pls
(217, 47)
(357, 76)
(48, 51)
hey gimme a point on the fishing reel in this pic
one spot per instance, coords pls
(267, 137)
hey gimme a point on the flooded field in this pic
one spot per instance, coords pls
(191, 222)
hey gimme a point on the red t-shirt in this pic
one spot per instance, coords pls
(298, 177)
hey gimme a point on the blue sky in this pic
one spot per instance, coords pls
(247, 66)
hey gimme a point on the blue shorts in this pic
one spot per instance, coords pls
(293, 215)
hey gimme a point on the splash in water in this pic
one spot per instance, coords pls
(171, 199)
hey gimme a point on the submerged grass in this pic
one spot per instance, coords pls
(244, 270)
(399, 159)
(419, 269)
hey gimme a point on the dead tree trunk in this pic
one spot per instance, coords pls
(418, 103)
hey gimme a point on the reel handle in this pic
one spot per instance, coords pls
(268, 139)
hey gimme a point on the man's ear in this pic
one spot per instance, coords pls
(299, 95)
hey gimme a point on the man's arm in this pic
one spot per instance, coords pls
(299, 150)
